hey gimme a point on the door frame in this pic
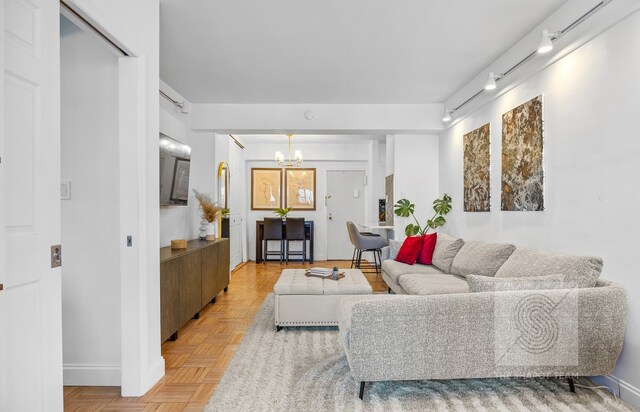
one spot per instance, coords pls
(139, 372)
(326, 190)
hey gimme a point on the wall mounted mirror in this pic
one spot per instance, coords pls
(223, 184)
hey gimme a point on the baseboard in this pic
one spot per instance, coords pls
(624, 390)
(91, 375)
(155, 374)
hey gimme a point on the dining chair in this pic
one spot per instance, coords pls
(273, 231)
(294, 232)
(366, 243)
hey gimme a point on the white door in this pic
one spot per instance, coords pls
(30, 304)
(345, 202)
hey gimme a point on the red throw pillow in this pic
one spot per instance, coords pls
(410, 250)
(428, 246)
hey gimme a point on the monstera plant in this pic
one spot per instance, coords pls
(404, 208)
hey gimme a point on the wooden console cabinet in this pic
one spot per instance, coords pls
(189, 279)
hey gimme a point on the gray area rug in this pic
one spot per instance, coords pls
(305, 369)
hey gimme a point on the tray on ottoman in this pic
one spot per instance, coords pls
(311, 301)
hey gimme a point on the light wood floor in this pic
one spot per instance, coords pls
(196, 362)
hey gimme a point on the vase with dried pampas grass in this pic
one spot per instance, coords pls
(210, 211)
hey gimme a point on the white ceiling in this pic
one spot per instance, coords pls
(309, 138)
(336, 51)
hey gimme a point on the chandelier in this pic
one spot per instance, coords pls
(295, 162)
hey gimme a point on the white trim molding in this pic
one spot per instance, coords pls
(624, 390)
(91, 375)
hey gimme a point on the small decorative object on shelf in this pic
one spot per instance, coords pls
(203, 230)
(210, 212)
(179, 244)
(334, 275)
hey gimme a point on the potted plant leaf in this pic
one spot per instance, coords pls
(441, 207)
(282, 211)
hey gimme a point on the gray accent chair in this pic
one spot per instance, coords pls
(434, 327)
(366, 243)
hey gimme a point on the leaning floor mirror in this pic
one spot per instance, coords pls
(223, 192)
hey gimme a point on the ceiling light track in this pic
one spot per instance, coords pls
(180, 105)
(551, 37)
(237, 142)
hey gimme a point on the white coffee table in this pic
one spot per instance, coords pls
(312, 301)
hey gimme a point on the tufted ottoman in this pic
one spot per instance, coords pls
(312, 301)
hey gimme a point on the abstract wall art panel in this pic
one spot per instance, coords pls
(522, 171)
(477, 170)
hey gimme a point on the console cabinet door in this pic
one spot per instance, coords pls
(222, 280)
(169, 297)
(209, 273)
(190, 286)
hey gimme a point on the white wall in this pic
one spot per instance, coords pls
(229, 152)
(136, 26)
(328, 118)
(590, 103)
(415, 170)
(183, 222)
(89, 159)
(323, 157)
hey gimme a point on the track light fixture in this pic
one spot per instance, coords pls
(491, 81)
(545, 46)
(546, 41)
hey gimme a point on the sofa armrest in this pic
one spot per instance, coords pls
(491, 334)
(391, 251)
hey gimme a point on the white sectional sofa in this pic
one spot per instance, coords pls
(485, 310)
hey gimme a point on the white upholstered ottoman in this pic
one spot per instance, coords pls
(312, 301)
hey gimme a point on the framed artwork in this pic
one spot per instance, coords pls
(180, 184)
(477, 169)
(388, 194)
(300, 189)
(266, 188)
(522, 158)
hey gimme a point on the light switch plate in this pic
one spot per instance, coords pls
(65, 190)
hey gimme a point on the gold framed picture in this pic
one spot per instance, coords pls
(300, 188)
(266, 188)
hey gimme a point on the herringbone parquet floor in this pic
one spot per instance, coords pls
(196, 362)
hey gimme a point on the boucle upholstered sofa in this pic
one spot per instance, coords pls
(447, 332)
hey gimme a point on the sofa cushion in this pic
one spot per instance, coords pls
(481, 258)
(410, 250)
(446, 249)
(489, 284)
(426, 253)
(418, 284)
(525, 262)
(395, 269)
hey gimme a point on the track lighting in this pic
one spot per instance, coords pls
(545, 46)
(491, 81)
(546, 42)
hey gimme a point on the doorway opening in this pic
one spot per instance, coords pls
(90, 199)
